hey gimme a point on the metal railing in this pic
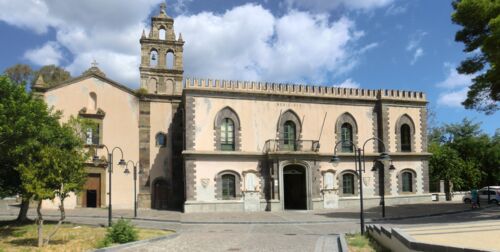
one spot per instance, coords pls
(273, 145)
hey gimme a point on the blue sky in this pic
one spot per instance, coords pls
(376, 44)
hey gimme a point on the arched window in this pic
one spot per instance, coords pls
(153, 58)
(407, 182)
(228, 186)
(152, 85)
(227, 134)
(169, 60)
(348, 183)
(161, 139)
(162, 34)
(405, 138)
(289, 134)
(346, 135)
(92, 101)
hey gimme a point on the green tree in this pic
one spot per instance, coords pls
(21, 74)
(21, 118)
(480, 21)
(56, 170)
(51, 75)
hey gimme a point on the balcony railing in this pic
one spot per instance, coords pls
(273, 145)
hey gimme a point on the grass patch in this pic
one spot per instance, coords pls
(70, 237)
(363, 243)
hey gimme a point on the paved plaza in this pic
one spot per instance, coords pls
(291, 230)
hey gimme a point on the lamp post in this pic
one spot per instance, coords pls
(381, 175)
(127, 171)
(121, 163)
(359, 164)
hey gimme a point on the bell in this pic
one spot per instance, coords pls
(153, 57)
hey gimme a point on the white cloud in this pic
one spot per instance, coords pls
(455, 85)
(108, 31)
(348, 84)
(414, 46)
(454, 79)
(419, 52)
(246, 42)
(453, 99)
(327, 5)
(394, 10)
(46, 55)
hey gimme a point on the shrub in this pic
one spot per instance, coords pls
(121, 232)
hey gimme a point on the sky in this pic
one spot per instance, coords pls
(374, 44)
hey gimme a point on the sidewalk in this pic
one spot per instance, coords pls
(280, 217)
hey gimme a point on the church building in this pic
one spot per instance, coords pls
(203, 145)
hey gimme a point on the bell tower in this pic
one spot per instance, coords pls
(161, 66)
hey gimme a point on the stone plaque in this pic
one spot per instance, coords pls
(251, 201)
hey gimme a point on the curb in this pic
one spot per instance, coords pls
(132, 244)
(342, 243)
(432, 215)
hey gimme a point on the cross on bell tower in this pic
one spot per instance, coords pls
(161, 56)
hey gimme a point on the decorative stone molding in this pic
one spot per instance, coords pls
(346, 117)
(425, 176)
(218, 184)
(413, 183)
(375, 129)
(224, 113)
(289, 115)
(257, 176)
(190, 123)
(340, 179)
(423, 128)
(144, 144)
(405, 119)
(190, 180)
(378, 178)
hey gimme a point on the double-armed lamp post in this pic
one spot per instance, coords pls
(96, 160)
(359, 164)
(127, 171)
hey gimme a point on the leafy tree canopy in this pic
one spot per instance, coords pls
(480, 21)
(23, 74)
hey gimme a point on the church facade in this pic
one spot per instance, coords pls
(206, 145)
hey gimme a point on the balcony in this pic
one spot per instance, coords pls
(275, 145)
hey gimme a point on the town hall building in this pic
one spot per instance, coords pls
(205, 145)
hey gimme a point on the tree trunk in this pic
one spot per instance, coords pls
(61, 219)
(23, 211)
(39, 222)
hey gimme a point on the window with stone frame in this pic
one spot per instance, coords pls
(227, 135)
(405, 138)
(228, 186)
(407, 179)
(227, 131)
(92, 134)
(161, 139)
(348, 184)
(346, 128)
(289, 134)
(346, 135)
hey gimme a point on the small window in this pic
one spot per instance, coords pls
(405, 138)
(348, 183)
(346, 134)
(407, 182)
(92, 134)
(227, 134)
(161, 139)
(153, 58)
(289, 135)
(169, 60)
(162, 34)
(228, 186)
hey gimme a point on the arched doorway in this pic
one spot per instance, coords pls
(294, 187)
(160, 188)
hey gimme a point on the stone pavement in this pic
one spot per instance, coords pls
(283, 217)
(479, 235)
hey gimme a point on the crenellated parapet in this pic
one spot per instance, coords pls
(301, 90)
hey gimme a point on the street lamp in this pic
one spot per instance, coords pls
(359, 155)
(96, 160)
(127, 171)
(381, 187)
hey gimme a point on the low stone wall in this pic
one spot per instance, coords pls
(346, 202)
(396, 240)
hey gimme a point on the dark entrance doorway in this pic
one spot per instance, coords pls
(91, 194)
(294, 187)
(160, 194)
(91, 198)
